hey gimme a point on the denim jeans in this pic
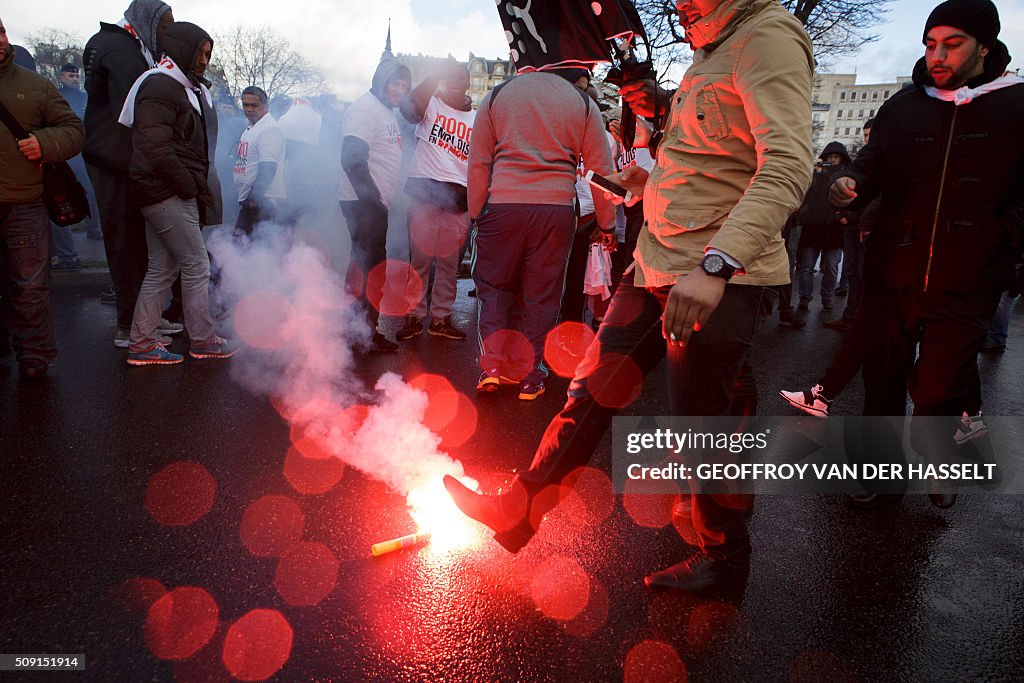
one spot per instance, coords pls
(702, 381)
(829, 268)
(25, 280)
(999, 328)
(176, 244)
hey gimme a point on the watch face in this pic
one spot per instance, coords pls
(713, 263)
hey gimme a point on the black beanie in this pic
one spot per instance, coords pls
(978, 18)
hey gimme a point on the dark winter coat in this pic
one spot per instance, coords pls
(951, 182)
(113, 62)
(171, 146)
(822, 222)
(35, 104)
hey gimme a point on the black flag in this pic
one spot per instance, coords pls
(544, 34)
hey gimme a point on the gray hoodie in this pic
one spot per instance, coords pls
(145, 16)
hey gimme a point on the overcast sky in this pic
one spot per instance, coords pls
(346, 37)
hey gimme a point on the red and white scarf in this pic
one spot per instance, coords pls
(168, 68)
(123, 23)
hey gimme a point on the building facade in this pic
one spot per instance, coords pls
(840, 107)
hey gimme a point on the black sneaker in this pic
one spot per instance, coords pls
(826, 304)
(65, 265)
(412, 328)
(444, 328)
(805, 304)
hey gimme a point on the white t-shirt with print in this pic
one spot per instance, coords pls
(374, 124)
(584, 193)
(442, 143)
(261, 141)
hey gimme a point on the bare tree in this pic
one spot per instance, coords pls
(52, 49)
(836, 27)
(245, 56)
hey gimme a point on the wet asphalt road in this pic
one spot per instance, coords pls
(901, 593)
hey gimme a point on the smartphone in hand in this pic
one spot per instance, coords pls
(602, 183)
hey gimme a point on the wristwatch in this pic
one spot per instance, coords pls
(714, 264)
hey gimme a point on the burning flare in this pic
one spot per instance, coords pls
(438, 520)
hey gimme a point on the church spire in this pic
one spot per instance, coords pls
(387, 54)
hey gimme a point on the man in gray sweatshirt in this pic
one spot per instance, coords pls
(527, 141)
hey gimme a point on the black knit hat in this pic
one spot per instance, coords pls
(978, 18)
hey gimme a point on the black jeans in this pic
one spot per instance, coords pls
(124, 237)
(368, 227)
(251, 214)
(702, 380)
(925, 343)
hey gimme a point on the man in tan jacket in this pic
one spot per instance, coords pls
(734, 163)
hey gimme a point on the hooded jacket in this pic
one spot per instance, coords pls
(171, 146)
(113, 61)
(736, 158)
(38, 107)
(951, 184)
(822, 226)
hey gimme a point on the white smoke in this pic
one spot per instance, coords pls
(309, 369)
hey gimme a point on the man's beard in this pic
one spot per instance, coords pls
(955, 78)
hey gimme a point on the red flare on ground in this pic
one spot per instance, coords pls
(653, 661)
(263, 320)
(258, 645)
(565, 347)
(391, 285)
(560, 588)
(180, 623)
(180, 494)
(306, 574)
(271, 526)
(312, 476)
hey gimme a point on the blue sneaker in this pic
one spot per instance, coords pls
(157, 355)
(218, 348)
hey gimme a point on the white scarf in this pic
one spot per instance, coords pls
(966, 95)
(123, 23)
(166, 67)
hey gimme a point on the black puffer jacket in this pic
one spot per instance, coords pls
(170, 145)
(951, 182)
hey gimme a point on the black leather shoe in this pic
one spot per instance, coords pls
(505, 513)
(872, 500)
(32, 368)
(701, 572)
(943, 500)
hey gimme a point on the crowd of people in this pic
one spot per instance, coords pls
(727, 209)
